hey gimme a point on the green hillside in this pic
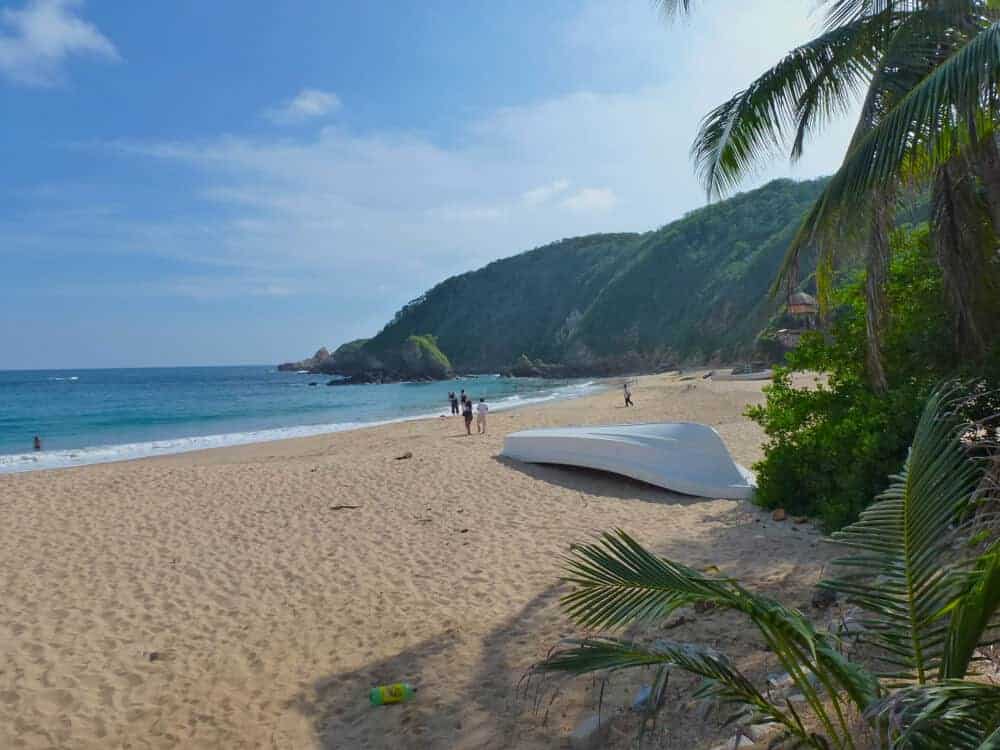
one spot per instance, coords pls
(526, 304)
(692, 291)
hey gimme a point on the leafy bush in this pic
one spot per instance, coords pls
(831, 447)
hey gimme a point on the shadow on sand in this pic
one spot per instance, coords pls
(337, 706)
(598, 483)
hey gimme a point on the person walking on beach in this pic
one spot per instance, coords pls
(628, 396)
(481, 410)
(467, 414)
(454, 402)
(463, 398)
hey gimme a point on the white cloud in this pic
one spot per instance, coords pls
(406, 211)
(308, 104)
(591, 200)
(544, 193)
(36, 41)
(467, 213)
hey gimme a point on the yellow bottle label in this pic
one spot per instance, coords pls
(394, 693)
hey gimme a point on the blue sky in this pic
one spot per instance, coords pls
(241, 182)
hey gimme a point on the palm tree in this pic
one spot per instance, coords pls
(929, 599)
(883, 50)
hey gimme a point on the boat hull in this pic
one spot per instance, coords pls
(761, 375)
(684, 457)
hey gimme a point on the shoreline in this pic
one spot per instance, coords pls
(21, 463)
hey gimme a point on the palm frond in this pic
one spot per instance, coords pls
(840, 12)
(916, 43)
(954, 714)
(902, 540)
(973, 618)
(619, 583)
(722, 681)
(939, 117)
(670, 8)
(810, 84)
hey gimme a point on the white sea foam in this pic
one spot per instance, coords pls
(21, 462)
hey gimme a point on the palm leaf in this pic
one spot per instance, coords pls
(954, 714)
(619, 583)
(903, 539)
(974, 617)
(722, 681)
(939, 117)
(810, 84)
(916, 43)
(842, 12)
(671, 8)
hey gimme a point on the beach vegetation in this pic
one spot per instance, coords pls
(917, 568)
(830, 446)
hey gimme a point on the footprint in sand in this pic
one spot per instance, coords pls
(54, 702)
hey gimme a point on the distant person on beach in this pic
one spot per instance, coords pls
(467, 414)
(628, 396)
(463, 398)
(481, 410)
(454, 402)
(38, 443)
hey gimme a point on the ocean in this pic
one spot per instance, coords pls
(96, 416)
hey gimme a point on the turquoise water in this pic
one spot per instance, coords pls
(90, 416)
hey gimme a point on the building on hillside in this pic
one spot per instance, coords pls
(801, 303)
(804, 309)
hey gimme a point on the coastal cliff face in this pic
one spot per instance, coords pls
(695, 291)
(310, 364)
(362, 361)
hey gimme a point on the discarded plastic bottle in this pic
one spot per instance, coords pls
(383, 694)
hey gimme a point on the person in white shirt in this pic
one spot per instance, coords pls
(481, 410)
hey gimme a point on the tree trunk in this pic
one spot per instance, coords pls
(962, 241)
(877, 276)
(986, 163)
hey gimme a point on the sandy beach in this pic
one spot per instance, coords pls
(249, 597)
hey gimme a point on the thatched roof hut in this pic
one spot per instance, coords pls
(801, 303)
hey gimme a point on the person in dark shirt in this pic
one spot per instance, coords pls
(38, 443)
(454, 402)
(467, 415)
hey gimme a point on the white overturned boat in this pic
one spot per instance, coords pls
(685, 457)
(758, 375)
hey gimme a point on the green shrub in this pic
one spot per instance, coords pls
(830, 447)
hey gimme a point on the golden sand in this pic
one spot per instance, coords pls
(229, 599)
